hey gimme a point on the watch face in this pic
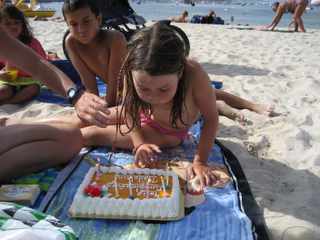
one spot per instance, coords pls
(71, 93)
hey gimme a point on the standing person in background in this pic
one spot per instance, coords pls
(296, 7)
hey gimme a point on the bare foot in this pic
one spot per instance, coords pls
(239, 117)
(242, 120)
(263, 109)
(3, 121)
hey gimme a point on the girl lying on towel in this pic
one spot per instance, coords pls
(164, 95)
(17, 86)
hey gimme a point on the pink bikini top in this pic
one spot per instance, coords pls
(180, 134)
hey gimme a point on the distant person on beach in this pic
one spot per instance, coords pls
(182, 18)
(209, 18)
(93, 51)
(296, 7)
(17, 86)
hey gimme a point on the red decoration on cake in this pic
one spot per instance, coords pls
(93, 190)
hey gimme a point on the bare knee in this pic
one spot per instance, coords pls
(71, 141)
(31, 90)
(6, 92)
(221, 104)
(95, 136)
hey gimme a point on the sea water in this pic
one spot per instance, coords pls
(248, 12)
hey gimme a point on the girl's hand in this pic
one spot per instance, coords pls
(203, 171)
(145, 154)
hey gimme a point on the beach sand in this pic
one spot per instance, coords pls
(279, 155)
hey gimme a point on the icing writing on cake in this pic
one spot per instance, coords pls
(130, 194)
(140, 186)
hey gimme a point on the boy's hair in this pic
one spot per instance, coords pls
(157, 50)
(73, 5)
(13, 12)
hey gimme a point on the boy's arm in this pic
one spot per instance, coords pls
(118, 51)
(88, 78)
(89, 107)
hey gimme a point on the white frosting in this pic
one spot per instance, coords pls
(162, 208)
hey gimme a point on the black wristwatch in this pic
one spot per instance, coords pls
(74, 93)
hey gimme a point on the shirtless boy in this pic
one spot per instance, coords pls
(93, 51)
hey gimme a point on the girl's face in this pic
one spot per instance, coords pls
(155, 90)
(83, 24)
(12, 26)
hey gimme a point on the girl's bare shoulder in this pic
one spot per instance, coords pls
(194, 70)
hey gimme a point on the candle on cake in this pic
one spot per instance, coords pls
(116, 186)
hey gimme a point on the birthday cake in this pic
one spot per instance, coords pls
(111, 192)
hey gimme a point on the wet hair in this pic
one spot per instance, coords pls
(73, 5)
(13, 12)
(156, 50)
(275, 6)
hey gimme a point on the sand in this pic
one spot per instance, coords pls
(279, 155)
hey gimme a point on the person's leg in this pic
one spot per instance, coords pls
(24, 95)
(6, 92)
(32, 147)
(71, 119)
(298, 12)
(229, 112)
(95, 136)
(240, 103)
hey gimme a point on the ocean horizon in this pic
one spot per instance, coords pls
(248, 13)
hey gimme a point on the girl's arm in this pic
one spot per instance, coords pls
(118, 51)
(205, 99)
(143, 150)
(88, 78)
(202, 91)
